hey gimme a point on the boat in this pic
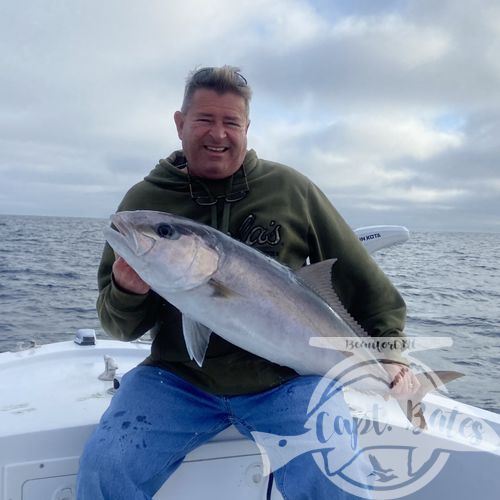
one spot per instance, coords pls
(52, 396)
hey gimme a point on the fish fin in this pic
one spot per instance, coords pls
(318, 277)
(435, 379)
(221, 290)
(428, 382)
(196, 337)
(414, 412)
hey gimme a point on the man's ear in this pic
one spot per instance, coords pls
(179, 122)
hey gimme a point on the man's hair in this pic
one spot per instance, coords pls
(221, 80)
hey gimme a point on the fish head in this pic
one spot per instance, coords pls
(166, 250)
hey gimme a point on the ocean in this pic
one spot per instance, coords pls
(450, 282)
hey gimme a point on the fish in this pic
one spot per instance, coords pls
(466, 435)
(222, 285)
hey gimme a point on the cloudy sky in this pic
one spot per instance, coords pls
(391, 107)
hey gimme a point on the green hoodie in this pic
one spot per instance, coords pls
(285, 216)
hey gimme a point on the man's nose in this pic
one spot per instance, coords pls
(218, 131)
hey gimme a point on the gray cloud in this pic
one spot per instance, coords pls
(393, 108)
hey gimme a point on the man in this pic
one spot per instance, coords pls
(169, 405)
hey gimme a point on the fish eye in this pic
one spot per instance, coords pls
(166, 231)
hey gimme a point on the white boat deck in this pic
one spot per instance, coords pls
(51, 399)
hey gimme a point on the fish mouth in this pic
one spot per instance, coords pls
(124, 239)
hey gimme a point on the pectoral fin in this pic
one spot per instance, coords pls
(197, 337)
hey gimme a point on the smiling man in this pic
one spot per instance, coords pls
(213, 130)
(175, 404)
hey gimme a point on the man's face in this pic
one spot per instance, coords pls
(213, 133)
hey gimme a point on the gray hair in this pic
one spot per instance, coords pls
(222, 80)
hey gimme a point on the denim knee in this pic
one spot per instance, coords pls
(108, 472)
(99, 459)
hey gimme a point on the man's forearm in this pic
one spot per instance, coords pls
(126, 316)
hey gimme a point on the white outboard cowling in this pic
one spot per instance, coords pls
(377, 237)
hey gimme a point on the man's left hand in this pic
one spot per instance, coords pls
(404, 382)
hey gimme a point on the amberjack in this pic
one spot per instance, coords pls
(224, 286)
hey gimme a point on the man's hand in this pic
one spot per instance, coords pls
(127, 279)
(404, 381)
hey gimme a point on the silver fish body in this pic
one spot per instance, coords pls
(224, 286)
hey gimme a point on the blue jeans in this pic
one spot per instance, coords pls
(156, 418)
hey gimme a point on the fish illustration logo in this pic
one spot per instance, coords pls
(373, 449)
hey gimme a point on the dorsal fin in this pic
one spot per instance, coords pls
(318, 277)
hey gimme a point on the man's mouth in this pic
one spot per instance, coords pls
(214, 149)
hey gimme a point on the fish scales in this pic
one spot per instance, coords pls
(270, 312)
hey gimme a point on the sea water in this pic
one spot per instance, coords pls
(450, 282)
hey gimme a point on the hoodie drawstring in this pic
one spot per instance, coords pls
(228, 198)
(226, 211)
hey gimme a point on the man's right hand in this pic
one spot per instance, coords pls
(127, 279)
